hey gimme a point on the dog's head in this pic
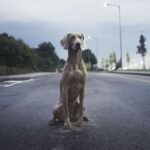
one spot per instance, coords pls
(73, 41)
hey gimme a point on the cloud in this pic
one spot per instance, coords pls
(36, 21)
(74, 11)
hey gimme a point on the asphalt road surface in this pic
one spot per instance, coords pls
(118, 107)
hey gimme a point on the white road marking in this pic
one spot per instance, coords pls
(15, 82)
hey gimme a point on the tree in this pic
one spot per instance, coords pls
(141, 48)
(93, 59)
(47, 57)
(18, 57)
(106, 63)
(61, 63)
(110, 60)
(89, 57)
(86, 55)
(103, 63)
(118, 64)
(15, 53)
(114, 58)
(128, 58)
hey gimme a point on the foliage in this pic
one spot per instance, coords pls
(110, 62)
(16, 55)
(141, 48)
(47, 59)
(112, 59)
(118, 64)
(89, 57)
(128, 58)
(104, 63)
(61, 63)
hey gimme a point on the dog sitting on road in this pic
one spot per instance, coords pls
(72, 84)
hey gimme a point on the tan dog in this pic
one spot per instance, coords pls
(72, 83)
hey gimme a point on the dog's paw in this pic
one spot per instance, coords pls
(80, 122)
(85, 118)
(67, 124)
(52, 122)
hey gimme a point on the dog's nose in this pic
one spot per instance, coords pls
(78, 45)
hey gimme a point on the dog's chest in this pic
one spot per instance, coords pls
(76, 81)
(76, 78)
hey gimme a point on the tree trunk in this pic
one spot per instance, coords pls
(144, 62)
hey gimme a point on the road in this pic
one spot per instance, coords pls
(118, 107)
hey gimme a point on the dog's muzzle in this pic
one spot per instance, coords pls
(77, 46)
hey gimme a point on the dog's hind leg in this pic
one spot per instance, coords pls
(58, 114)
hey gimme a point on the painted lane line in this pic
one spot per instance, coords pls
(16, 82)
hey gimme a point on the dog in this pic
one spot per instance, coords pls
(72, 83)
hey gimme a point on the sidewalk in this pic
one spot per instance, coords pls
(143, 73)
(23, 76)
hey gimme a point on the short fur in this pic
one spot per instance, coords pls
(72, 83)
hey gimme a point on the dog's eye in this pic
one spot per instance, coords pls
(72, 38)
(80, 37)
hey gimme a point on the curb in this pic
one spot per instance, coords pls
(131, 73)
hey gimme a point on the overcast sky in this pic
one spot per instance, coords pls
(36, 21)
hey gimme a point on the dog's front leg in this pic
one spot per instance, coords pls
(81, 98)
(67, 123)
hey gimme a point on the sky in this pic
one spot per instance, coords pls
(36, 21)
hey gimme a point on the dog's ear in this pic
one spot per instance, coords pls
(84, 42)
(82, 36)
(65, 41)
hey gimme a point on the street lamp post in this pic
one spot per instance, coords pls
(120, 30)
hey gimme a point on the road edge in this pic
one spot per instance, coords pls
(24, 76)
(130, 73)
